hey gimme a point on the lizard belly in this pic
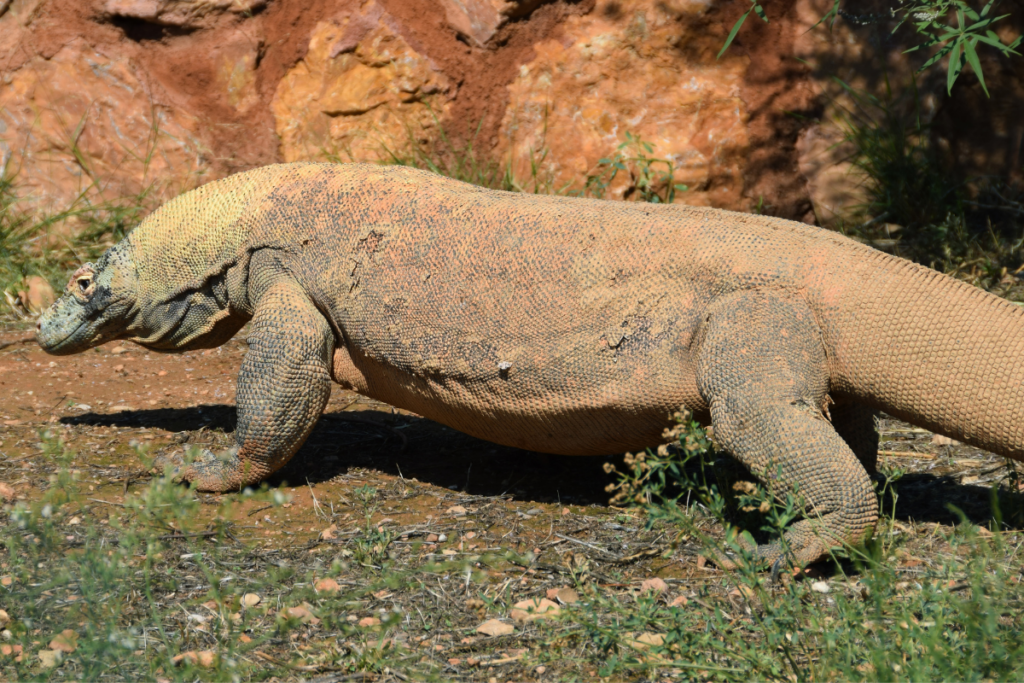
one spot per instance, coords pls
(620, 404)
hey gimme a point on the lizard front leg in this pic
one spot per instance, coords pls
(283, 388)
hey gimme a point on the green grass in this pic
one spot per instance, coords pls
(135, 585)
(958, 619)
(126, 588)
(32, 244)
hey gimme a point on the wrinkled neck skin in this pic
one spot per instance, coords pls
(201, 315)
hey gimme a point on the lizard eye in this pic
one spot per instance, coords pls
(83, 283)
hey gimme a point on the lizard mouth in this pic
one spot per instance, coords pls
(49, 344)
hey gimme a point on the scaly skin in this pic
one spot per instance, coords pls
(557, 324)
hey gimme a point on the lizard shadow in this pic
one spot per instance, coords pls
(398, 445)
(418, 448)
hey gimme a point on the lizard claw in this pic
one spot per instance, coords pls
(168, 464)
(777, 569)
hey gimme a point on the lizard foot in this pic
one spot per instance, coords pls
(799, 550)
(209, 471)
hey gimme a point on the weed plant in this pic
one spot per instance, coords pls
(141, 590)
(972, 228)
(958, 620)
(34, 245)
(650, 178)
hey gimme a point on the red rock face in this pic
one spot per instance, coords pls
(622, 69)
(116, 98)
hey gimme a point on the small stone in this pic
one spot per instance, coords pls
(454, 661)
(655, 585)
(528, 610)
(431, 538)
(38, 294)
(742, 592)
(117, 350)
(940, 440)
(206, 659)
(11, 650)
(820, 587)
(646, 639)
(251, 600)
(303, 613)
(4, 618)
(327, 586)
(564, 595)
(50, 658)
(540, 670)
(6, 492)
(369, 622)
(457, 511)
(329, 533)
(679, 601)
(66, 641)
(494, 627)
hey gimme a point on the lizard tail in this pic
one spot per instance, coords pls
(927, 348)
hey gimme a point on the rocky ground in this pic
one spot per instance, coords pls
(439, 496)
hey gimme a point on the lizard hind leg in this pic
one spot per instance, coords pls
(762, 368)
(283, 387)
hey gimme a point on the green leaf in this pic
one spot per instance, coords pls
(936, 57)
(972, 59)
(681, 188)
(954, 67)
(829, 16)
(732, 34)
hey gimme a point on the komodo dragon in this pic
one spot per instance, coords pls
(557, 324)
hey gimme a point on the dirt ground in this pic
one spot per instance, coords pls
(553, 509)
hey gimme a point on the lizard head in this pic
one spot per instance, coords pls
(98, 305)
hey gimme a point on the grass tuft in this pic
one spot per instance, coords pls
(959, 619)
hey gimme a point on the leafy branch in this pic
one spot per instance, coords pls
(953, 28)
